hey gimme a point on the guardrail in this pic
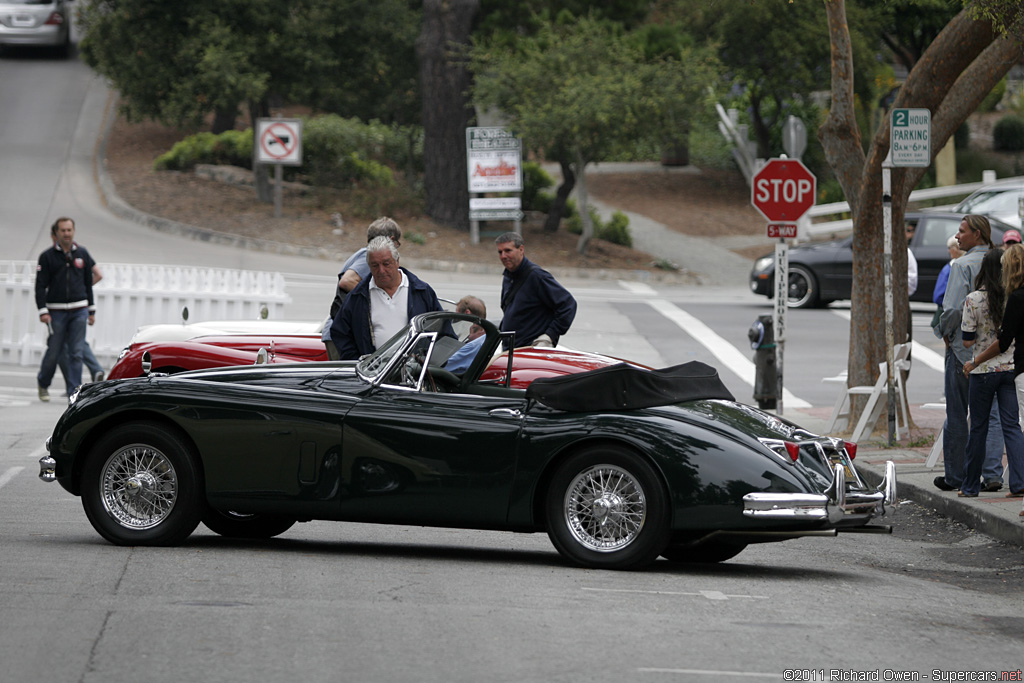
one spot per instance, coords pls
(130, 296)
(845, 225)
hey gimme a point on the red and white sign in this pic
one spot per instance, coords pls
(782, 230)
(280, 141)
(783, 190)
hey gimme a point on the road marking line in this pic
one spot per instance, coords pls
(708, 672)
(918, 351)
(710, 595)
(637, 287)
(725, 352)
(9, 474)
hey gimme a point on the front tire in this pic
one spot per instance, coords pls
(141, 486)
(607, 509)
(240, 525)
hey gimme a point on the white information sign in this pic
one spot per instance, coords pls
(494, 160)
(910, 137)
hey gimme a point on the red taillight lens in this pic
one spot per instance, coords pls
(55, 18)
(793, 450)
(851, 449)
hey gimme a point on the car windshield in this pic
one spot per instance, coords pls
(995, 201)
(375, 363)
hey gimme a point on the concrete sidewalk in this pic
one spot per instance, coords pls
(992, 514)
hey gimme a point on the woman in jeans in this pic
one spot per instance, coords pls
(996, 370)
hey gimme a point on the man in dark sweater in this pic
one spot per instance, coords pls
(535, 306)
(65, 302)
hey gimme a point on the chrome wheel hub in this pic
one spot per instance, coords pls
(139, 486)
(605, 508)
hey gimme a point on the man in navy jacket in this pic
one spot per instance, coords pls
(535, 306)
(65, 302)
(380, 305)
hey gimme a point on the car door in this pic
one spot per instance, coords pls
(418, 457)
(930, 250)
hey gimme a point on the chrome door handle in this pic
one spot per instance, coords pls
(505, 412)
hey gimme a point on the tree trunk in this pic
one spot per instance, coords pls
(444, 81)
(224, 119)
(260, 176)
(557, 209)
(582, 204)
(960, 67)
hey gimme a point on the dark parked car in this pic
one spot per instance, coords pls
(618, 464)
(822, 272)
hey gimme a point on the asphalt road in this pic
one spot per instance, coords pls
(349, 602)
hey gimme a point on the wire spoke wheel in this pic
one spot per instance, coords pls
(605, 508)
(139, 486)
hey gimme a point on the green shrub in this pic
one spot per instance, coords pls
(340, 152)
(1008, 134)
(535, 180)
(616, 230)
(233, 147)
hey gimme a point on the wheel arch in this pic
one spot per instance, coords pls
(100, 429)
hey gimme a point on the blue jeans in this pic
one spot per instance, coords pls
(67, 332)
(954, 431)
(983, 388)
(94, 367)
(992, 468)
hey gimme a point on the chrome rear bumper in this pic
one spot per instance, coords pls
(47, 466)
(835, 505)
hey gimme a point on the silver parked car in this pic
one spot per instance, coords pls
(45, 23)
(1001, 200)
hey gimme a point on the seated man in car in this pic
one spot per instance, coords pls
(460, 361)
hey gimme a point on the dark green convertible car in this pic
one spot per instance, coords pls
(618, 463)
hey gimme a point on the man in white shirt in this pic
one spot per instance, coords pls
(380, 305)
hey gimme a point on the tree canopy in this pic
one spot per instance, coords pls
(177, 62)
(581, 92)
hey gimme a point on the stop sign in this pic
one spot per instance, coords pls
(783, 190)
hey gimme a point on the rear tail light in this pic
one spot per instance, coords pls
(55, 19)
(793, 450)
(851, 449)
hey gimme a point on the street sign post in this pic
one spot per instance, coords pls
(910, 144)
(279, 142)
(494, 163)
(782, 190)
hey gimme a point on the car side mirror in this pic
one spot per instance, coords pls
(262, 357)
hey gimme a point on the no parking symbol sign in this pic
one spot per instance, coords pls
(279, 141)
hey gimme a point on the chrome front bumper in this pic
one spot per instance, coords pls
(47, 466)
(835, 505)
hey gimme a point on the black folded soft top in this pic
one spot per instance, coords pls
(628, 387)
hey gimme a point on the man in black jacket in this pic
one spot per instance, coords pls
(535, 306)
(66, 305)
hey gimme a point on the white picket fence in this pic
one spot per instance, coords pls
(130, 296)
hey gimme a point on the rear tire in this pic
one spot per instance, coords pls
(607, 509)
(803, 290)
(710, 551)
(141, 486)
(240, 525)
